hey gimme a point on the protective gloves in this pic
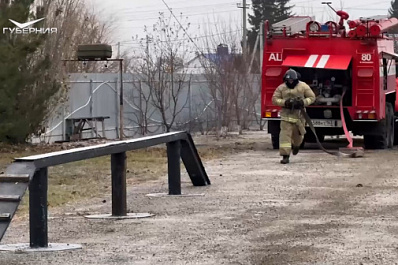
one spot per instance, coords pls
(298, 104)
(289, 103)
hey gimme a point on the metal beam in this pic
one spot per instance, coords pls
(118, 168)
(174, 167)
(193, 163)
(38, 209)
(17, 187)
(35, 168)
(76, 154)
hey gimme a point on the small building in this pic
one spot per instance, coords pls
(196, 64)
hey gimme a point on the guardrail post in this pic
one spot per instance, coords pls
(174, 167)
(38, 209)
(118, 168)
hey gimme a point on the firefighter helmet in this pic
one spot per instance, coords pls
(290, 74)
(291, 78)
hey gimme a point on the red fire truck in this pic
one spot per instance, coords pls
(359, 62)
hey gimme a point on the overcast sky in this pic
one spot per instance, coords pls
(133, 15)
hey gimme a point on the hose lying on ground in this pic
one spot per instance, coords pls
(335, 153)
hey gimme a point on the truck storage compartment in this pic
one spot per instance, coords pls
(328, 85)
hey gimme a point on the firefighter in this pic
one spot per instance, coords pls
(293, 95)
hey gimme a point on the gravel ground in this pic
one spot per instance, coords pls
(318, 209)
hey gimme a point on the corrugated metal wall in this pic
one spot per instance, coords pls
(96, 95)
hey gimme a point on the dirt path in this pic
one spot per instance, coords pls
(256, 211)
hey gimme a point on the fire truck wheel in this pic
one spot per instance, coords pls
(386, 129)
(395, 134)
(375, 142)
(275, 141)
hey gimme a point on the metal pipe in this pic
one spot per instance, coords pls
(91, 105)
(117, 107)
(121, 99)
(63, 123)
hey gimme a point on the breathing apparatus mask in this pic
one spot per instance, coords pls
(291, 78)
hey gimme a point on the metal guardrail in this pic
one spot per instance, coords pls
(32, 172)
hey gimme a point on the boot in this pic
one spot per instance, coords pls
(285, 160)
(295, 150)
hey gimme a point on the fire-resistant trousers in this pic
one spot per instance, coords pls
(289, 135)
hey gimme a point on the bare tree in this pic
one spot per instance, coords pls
(76, 24)
(144, 110)
(162, 68)
(230, 84)
(257, 105)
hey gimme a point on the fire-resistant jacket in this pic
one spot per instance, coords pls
(282, 93)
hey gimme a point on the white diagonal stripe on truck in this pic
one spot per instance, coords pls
(322, 62)
(311, 60)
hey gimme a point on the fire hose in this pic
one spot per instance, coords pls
(347, 134)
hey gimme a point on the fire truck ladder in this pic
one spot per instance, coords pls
(291, 25)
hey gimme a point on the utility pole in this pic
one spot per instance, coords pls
(150, 84)
(244, 27)
(121, 99)
(121, 92)
(244, 6)
(261, 35)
